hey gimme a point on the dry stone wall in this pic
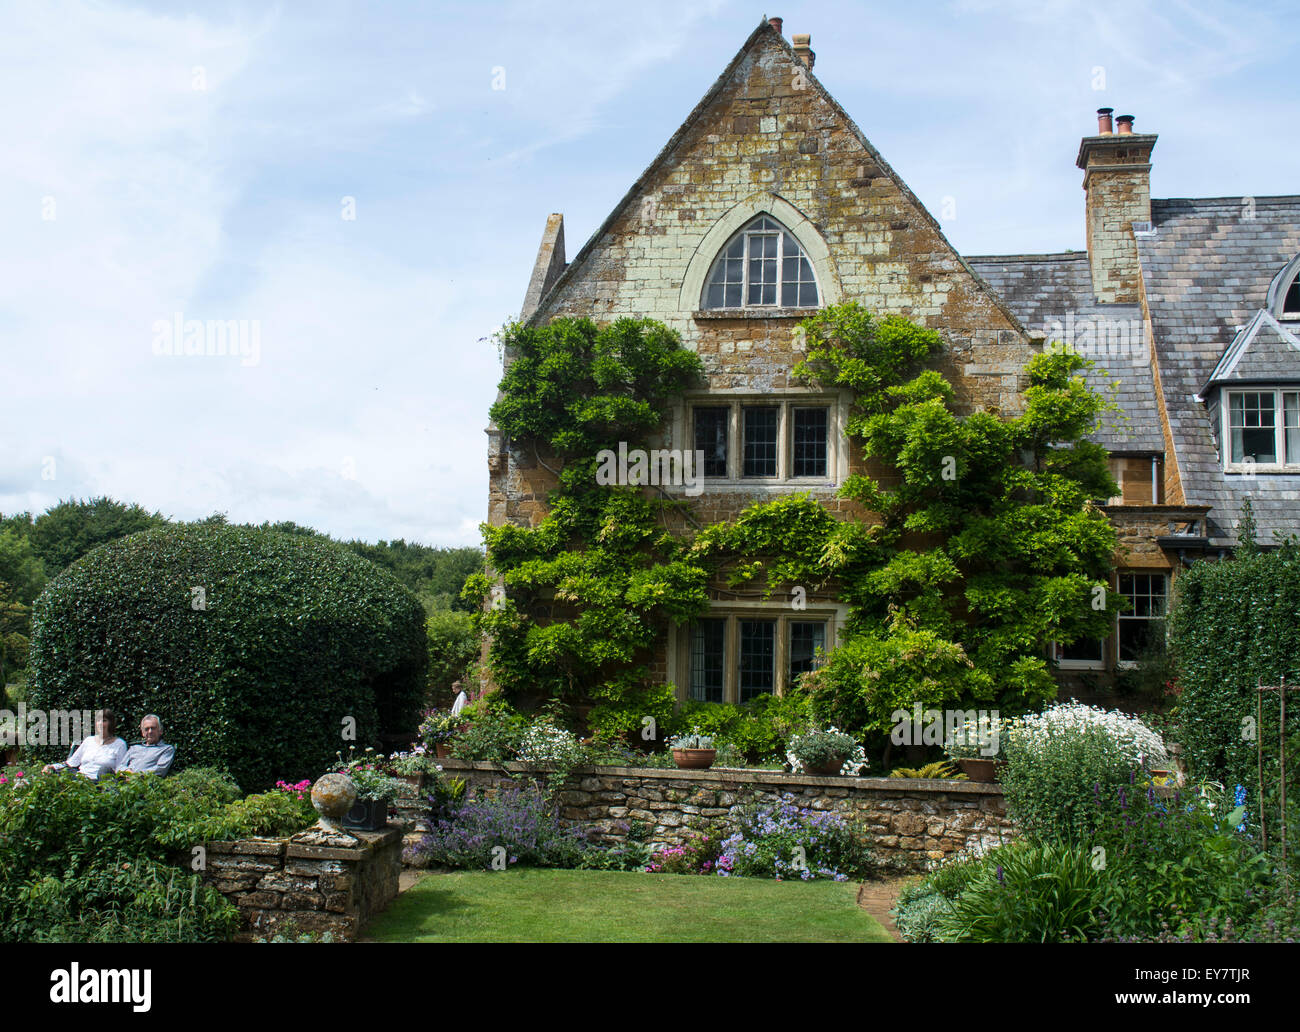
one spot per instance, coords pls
(313, 882)
(914, 822)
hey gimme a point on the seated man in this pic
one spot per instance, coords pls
(154, 756)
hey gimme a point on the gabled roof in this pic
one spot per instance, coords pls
(1264, 351)
(1206, 269)
(763, 30)
(1052, 296)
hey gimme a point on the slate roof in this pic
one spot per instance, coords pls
(1052, 296)
(1206, 268)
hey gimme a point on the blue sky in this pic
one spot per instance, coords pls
(166, 158)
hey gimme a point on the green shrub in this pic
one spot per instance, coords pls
(1033, 893)
(138, 900)
(268, 815)
(760, 728)
(954, 876)
(919, 913)
(1179, 863)
(494, 732)
(299, 637)
(204, 786)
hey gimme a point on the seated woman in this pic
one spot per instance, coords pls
(98, 752)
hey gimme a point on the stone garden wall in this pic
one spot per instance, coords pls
(313, 882)
(912, 821)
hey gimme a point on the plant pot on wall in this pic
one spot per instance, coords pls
(828, 769)
(442, 751)
(367, 815)
(978, 769)
(694, 759)
(413, 782)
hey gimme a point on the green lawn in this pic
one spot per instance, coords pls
(612, 906)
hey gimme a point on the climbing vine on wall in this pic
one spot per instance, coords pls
(979, 541)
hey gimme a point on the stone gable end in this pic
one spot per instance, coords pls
(768, 137)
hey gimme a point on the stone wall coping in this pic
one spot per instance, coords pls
(776, 778)
(249, 847)
(370, 842)
(286, 847)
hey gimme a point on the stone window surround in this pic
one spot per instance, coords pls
(1225, 429)
(837, 450)
(745, 236)
(833, 614)
(809, 237)
(1110, 644)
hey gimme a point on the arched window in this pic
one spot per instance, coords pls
(1283, 300)
(762, 265)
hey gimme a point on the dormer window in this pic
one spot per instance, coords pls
(762, 266)
(1283, 299)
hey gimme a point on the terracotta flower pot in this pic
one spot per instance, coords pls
(413, 782)
(979, 768)
(442, 752)
(694, 759)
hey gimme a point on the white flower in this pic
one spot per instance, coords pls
(1139, 742)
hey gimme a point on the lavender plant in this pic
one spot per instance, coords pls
(516, 819)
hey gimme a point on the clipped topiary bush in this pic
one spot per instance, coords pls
(255, 648)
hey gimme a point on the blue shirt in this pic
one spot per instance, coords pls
(150, 759)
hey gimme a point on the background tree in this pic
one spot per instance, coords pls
(69, 530)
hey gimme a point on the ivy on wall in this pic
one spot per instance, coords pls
(979, 541)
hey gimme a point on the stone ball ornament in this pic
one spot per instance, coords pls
(333, 795)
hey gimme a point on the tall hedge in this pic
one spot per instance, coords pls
(1232, 624)
(298, 634)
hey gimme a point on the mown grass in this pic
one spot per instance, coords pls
(611, 906)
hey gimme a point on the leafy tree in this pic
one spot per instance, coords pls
(20, 566)
(15, 635)
(69, 530)
(453, 650)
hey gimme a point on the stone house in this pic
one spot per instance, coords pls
(769, 202)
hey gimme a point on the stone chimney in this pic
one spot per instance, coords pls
(802, 43)
(1117, 181)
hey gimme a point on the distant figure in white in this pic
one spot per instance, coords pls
(462, 700)
(97, 753)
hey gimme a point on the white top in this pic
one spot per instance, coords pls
(92, 757)
(459, 704)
